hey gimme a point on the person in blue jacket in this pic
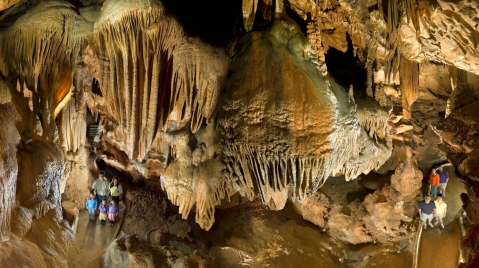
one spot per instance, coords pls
(91, 204)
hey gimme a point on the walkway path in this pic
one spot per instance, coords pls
(440, 247)
(93, 239)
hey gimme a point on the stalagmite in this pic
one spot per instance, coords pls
(407, 179)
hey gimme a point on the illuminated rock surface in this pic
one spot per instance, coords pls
(269, 132)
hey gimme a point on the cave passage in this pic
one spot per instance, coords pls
(444, 241)
(92, 239)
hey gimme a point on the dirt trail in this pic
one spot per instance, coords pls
(440, 247)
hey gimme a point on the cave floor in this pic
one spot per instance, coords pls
(91, 241)
(440, 247)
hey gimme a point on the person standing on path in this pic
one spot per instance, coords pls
(91, 204)
(434, 182)
(103, 211)
(112, 212)
(115, 190)
(441, 210)
(443, 179)
(100, 187)
(427, 210)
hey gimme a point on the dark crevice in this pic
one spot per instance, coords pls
(347, 69)
(214, 21)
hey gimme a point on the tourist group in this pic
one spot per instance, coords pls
(101, 191)
(437, 188)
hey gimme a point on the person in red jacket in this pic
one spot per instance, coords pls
(434, 182)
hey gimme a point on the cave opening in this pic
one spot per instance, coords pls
(347, 69)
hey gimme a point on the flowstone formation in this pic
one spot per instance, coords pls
(290, 127)
(289, 101)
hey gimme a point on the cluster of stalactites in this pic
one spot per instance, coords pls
(251, 7)
(372, 156)
(149, 69)
(373, 118)
(272, 174)
(196, 177)
(38, 50)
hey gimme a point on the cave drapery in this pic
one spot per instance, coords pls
(265, 114)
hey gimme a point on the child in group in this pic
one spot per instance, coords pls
(112, 212)
(103, 211)
(91, 204)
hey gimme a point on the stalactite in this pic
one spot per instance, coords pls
(380, 95)
(412, 11)
(196, 178)
(278, 8)
(149, 69)
(41, 56)
(249, 12)
(409, 76)
(373, 118)
(73, 125)
(199, 72)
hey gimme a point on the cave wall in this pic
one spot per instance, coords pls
(264, 114)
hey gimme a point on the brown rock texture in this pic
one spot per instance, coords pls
(8, 3)
(286, 96)
(296, 132)
(9, 138)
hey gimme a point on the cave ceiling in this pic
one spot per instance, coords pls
(268, 98)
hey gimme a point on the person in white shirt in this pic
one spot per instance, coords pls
(100, 187)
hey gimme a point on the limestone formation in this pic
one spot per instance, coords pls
(9, 139)
(294, 133)
(41, 55)
(150, 73)
(221, 114)
(407, 179)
